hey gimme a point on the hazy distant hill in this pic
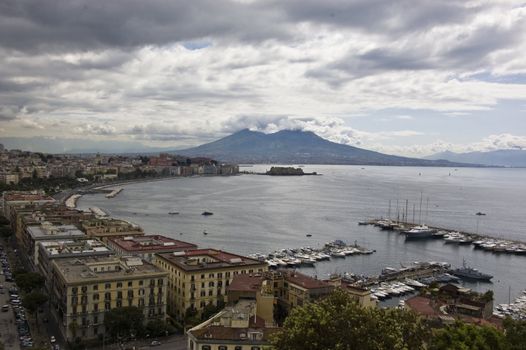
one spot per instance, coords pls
(508, 157)
(65, 145)
(295, 147)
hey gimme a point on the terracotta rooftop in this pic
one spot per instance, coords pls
(229, 333)
(304, 280)
(246, 283)
(149, 243)
(421, 306)
(202, 259)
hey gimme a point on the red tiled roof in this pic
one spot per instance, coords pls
(220, 259)
(246, 283)
(421, 306)
(305, 281)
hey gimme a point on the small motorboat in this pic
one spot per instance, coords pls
(205, 233)
(480, 213)
(173, 213)
(207, 213)
(308, 235)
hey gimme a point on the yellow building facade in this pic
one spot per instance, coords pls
(83, 289)
(197, 278)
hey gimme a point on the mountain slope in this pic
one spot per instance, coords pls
(295, 147)
(508, 157)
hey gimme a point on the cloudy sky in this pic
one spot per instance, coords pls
(405, 77)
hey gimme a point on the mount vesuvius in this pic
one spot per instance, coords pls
(297, 147)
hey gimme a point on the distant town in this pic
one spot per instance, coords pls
(34, 170)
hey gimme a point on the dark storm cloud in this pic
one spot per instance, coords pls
(67, 25)
(379, 15)
(29, 25)
(470, 50)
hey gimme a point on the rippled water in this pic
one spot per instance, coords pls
(254, 213)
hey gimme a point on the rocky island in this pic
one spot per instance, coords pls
(287, 171)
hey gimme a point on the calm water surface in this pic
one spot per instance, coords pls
(255, 213)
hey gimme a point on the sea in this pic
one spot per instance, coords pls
(260, 214)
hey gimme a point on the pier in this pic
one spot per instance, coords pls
(478, 241)
(114, 192)
(71, 202)
(98, 211)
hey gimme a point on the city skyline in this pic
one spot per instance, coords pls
(396, 78)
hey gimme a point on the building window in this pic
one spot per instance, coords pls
(119, 303)
(74, 290)
(238, 348)
(222, 347)
(130, 283)
(119, 295)
(255, 348)
(210, 275)
(210, 284)
(96, 296)
(95, 319)
(119, 284)
(107, 296)
(219, 275)
(107, 285)
(202, 284)
(210, 292)
(95, 307)
(107, 306)
(84, 289)
(205, 347)
(96, 287)
(141, 283)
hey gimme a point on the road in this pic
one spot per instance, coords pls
(8, 331)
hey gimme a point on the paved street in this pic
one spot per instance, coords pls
(8, 332)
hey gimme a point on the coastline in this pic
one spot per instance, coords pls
(72, 196)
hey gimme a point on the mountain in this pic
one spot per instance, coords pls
(296, 147)
(505, 157)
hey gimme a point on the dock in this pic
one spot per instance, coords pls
(98, 211)
(114, 192)
(478, 241)
(71, 202)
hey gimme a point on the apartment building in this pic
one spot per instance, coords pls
(200, 277)
(148, 245)
(45, 231)
(106, 228)
(77, 247)
(83, 289)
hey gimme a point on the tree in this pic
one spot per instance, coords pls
(515, 333)
(158, 328)
(464, 336)
(124, 321)
(29, 281)
(338, 322)
(6, 231)
(33, 301)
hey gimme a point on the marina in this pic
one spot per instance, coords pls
(515, 309)
(413, 231)
(307, 256)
